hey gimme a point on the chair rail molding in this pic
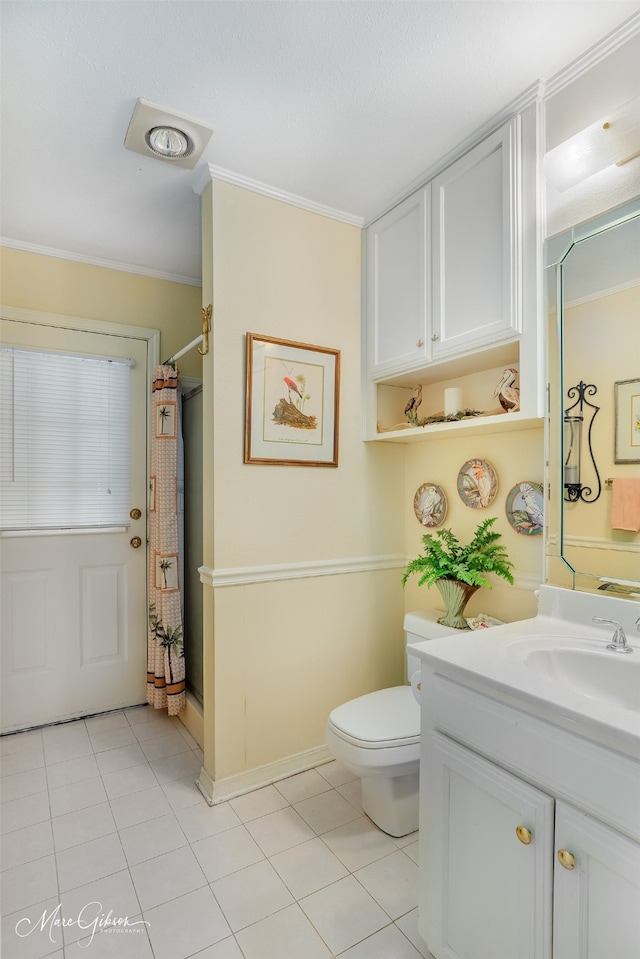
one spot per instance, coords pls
(246, 575)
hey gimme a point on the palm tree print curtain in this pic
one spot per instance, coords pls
(165, 662)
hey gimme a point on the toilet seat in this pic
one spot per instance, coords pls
(387, 718)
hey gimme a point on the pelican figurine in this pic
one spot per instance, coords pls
(507, 393)
(411, 409)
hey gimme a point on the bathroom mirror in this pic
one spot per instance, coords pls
(592, 291)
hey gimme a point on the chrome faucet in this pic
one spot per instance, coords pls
(619, 641)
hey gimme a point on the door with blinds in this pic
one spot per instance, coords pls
(73, 447)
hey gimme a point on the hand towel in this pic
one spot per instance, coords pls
(625, 504)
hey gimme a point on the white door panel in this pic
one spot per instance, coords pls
(74, 612)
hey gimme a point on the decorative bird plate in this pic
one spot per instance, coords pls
(525, 508)
(477, 484)
(430, 505)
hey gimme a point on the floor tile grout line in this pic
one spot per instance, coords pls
(188, 843)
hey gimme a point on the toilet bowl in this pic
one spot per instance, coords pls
(377, 737)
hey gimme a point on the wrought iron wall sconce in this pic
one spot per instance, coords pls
(574, 422)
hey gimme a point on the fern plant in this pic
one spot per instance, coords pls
(447, 558)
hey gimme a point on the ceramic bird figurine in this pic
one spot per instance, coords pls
(411, 409)
(508, 395)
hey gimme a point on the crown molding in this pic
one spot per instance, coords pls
(599, 51)
(208, 172)
(97, 261)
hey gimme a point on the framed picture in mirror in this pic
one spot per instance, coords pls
(627, 421)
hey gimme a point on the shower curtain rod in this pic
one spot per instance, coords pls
(203, 338)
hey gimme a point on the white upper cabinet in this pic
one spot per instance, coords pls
(475, 246)
(452, 293)
(445, 281)
(397, 279)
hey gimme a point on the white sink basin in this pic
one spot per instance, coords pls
(584, 666)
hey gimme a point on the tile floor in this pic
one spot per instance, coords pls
(102, 816)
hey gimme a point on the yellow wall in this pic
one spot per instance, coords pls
(47, 284)
(286, 652)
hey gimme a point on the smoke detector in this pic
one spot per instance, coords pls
(156, 131)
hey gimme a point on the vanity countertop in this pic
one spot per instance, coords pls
(493, 661)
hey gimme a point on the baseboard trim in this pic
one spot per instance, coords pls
(217, 791)
(192, 718)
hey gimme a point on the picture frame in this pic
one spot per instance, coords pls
(292, 403)
(627, 421)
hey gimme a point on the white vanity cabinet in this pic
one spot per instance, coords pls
(476, 246)
(398, 287)
(488, 890)
(528, 834)
(596, 893)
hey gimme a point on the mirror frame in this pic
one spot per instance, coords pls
(556, 250)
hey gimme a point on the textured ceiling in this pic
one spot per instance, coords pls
(342, 103)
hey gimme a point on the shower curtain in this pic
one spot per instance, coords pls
(165, 661)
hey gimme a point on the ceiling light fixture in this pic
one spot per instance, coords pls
(615, 139)
(156, 131)
(169, 142)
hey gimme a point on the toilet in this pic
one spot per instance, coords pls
(377, 737)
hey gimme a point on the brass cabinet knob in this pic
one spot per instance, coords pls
(136, 542)
(419, 343)
(524, 835)
(566, 860)
(434, 337)
(135, 513)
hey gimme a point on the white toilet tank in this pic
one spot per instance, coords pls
(421, 625)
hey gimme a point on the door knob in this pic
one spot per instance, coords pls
(135, 513)
(524, 835)
(566, 860)
(136, 542)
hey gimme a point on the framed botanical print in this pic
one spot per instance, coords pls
(627, 421)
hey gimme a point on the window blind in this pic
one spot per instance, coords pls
(64, 440)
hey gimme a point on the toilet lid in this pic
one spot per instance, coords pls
(388, 717)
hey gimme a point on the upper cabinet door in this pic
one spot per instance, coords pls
(397, 295)
(476, 246)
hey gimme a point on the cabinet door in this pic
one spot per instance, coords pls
(397, 265)
(475, 246)
(596, 912)
(487, 894)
